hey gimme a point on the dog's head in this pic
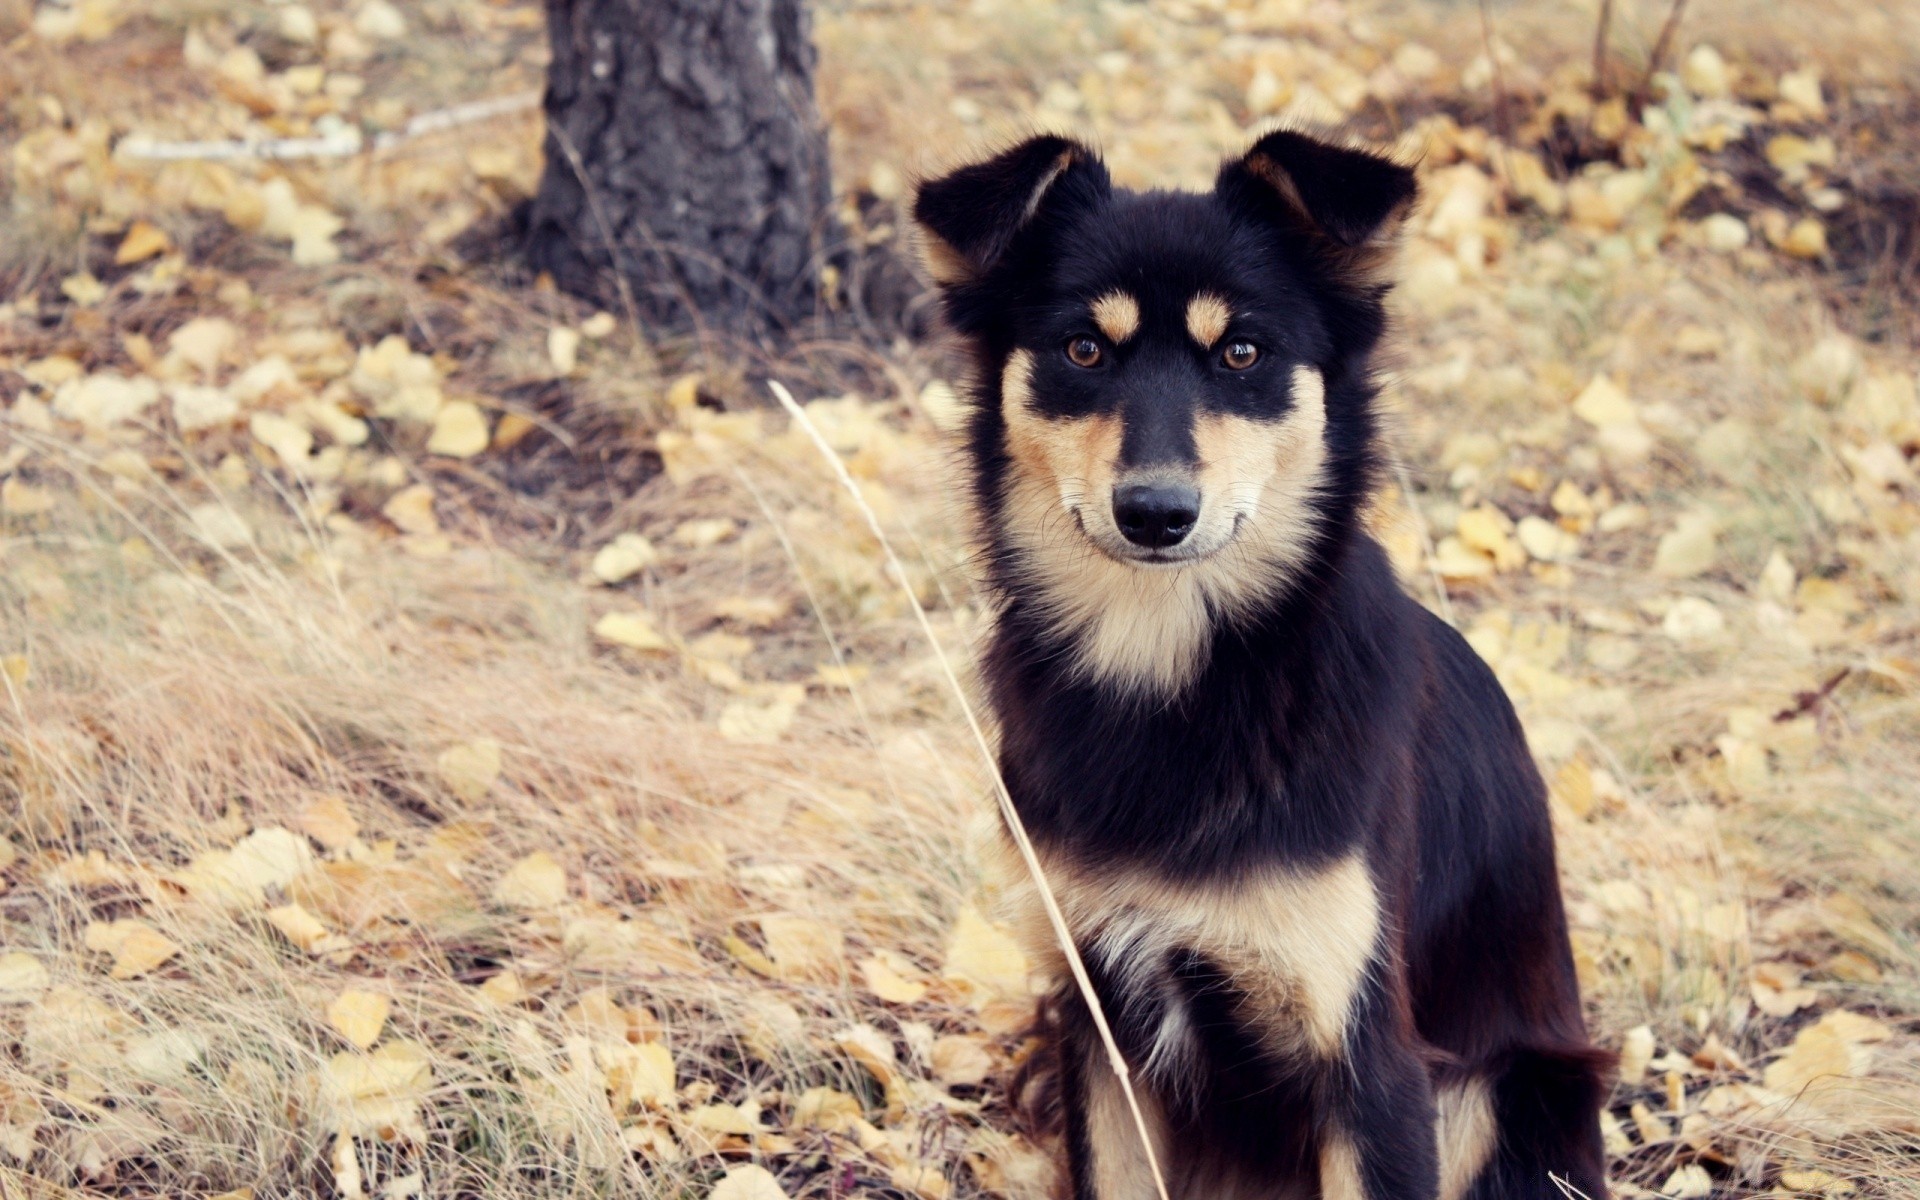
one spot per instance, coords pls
(1172, 386)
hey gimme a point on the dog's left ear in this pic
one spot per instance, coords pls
(1352, 201)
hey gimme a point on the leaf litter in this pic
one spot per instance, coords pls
(353, 818)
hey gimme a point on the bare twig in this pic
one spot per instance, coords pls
(1601, 29)
(344, 142)
(1662, 46)
(1499, 83)
(1008, 813)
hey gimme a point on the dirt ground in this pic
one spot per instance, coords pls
(454, 742)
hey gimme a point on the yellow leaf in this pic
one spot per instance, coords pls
(749, 1182)
(889, 984)
(844, 676)
(21, 499)
(638, 1076)
(459, 430)
(701, 533)
(303, 929)
(634, 630)
(411, 510)
(756, 612)
(984, 954)
(1690, 549)
(803, 948)
(469, 769)
(359, 1016)
(624, 557)
(1487, 530)
(23, 978)
(136, 946)
(1636, 1051)
(83, 289)
(922, 1179)
(962, 1059)
(269, 857)
(1689, 1182)
(330, 822)
(535, 882)
(872, 1050)
(505, 988)
(1821, 1055)
(143, 241)
(722, 1118)
(1546, 541)
(763, 718)
(1603, 403)
(826, 1108)
(563, 349)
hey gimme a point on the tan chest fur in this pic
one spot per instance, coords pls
(1297, 944)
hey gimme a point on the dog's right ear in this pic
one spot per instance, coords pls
(968, 219)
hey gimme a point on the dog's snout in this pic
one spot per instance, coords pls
(1156, 514)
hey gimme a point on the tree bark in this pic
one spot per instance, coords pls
(686, 162)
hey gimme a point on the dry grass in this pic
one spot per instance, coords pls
(729, 877)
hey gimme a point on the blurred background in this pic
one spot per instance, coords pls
(457, 738)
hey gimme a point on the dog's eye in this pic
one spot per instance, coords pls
(1083, 352)
(1238, 356)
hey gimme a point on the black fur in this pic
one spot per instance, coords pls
(1338, 716)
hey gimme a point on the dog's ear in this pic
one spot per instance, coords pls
(1353, 201)
(969, 218)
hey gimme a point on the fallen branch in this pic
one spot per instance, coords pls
(342, 143)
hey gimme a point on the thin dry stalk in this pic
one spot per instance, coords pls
(1662, 46)
(1008, 813)
(1601, 28)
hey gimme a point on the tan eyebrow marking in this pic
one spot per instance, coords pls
(1207, 317)
(1118, 316)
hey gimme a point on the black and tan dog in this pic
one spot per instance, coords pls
(1290, 816)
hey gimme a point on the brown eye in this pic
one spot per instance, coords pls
(1238, 356)
(1083, 352)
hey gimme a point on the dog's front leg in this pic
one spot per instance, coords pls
(1379, 1141)
(1105, 1157)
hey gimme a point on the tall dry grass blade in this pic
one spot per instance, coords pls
(1008, 813)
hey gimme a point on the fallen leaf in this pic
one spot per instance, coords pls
(632, 629)
(1688, 1182)
(19, 498)
(986, 955)
(359, 1016)
(411, 510)
(535, 882)
(469, 769)
(962, 1059)
(330, 822)
(144, 240)
(762, 718)
(136, 946)
(748, 1182)
(563, 349)
(802, 948)
(23, 978)
(459, 430)
(624, 557)
(701, 533)
(889, 984)
(304, 929)
(1636, 1051)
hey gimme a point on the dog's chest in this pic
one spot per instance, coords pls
(1293, 945)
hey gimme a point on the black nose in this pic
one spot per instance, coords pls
(1156, 514)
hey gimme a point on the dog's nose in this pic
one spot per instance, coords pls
(1156, 514)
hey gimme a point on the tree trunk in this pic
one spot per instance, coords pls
(686, 162)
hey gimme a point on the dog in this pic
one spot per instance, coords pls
(1288, 814)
